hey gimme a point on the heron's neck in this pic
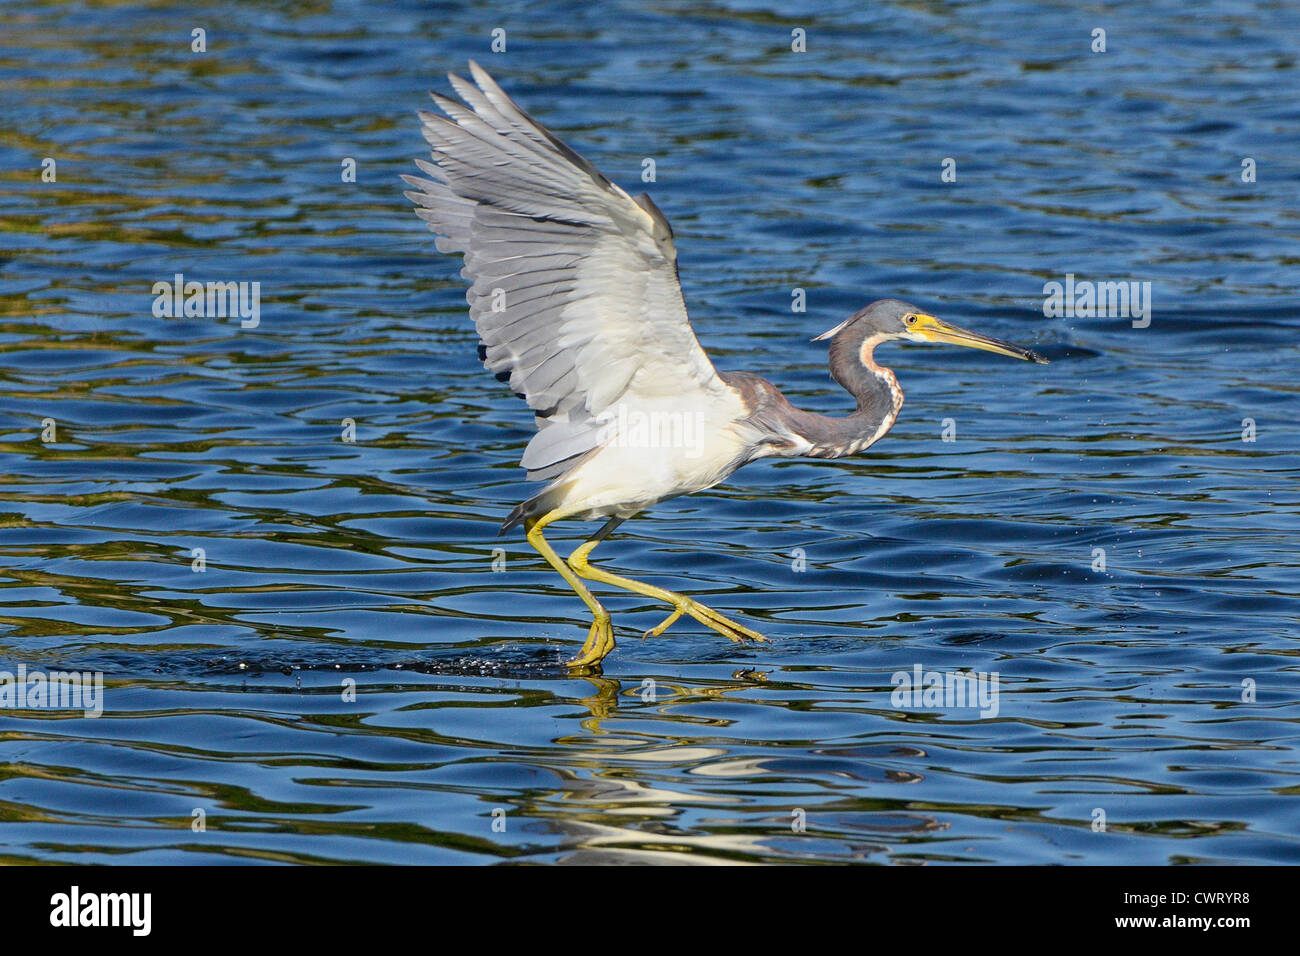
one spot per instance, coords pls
(784, 430)
(879, 399)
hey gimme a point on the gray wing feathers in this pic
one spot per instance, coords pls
(573, 284)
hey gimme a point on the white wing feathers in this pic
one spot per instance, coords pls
(573, 283)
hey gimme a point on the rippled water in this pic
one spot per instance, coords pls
(1124, 690)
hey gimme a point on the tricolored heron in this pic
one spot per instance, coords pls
(575, 296)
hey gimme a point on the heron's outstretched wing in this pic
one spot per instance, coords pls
(574, 286)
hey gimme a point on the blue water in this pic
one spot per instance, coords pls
(1156, 696)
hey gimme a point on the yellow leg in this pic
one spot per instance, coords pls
(600, 640)
(681, 604)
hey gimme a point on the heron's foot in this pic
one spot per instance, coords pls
(600, 641)
(710, 618)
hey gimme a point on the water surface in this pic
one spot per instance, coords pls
(1121, 689)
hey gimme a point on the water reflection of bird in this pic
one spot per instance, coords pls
(575, 296)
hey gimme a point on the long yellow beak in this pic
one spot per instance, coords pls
(929, 329)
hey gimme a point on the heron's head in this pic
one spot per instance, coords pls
(889, 319)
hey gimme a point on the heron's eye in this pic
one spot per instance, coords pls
(910, 319)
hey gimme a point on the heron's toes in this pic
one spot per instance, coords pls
(710, 619)
(600, 641)
(667, 622)
(724, 625)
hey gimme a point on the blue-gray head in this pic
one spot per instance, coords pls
(854, 340)
(889, 319)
